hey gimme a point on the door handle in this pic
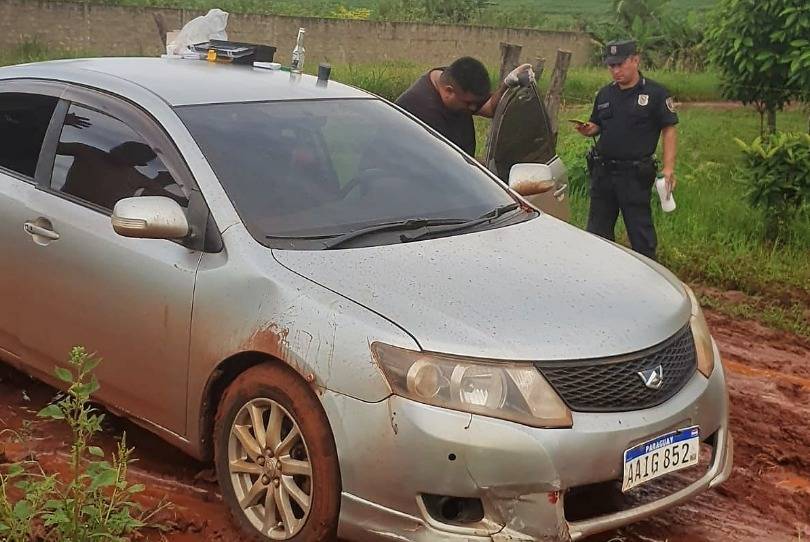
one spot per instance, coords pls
(560, 192)
(32, 229)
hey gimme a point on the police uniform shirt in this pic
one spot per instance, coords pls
(631, 120)
(423, 101)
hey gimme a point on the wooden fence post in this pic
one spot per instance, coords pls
(539, 66)
(510, 58)
(555, 89)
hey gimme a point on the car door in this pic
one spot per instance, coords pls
(25, 113)
(128, 300)
(521, 133)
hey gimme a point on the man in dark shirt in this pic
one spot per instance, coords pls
(629, 115)
(446, 98)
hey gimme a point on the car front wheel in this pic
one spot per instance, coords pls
(275, 457)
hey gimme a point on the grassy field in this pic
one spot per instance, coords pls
(551, 14)
(391, 79)
(714, 238)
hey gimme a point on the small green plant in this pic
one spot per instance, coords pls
(16, 518)
(95, 501)
(777, 176)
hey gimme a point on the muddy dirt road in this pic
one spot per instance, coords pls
(767, 497)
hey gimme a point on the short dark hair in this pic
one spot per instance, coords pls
(470, 75)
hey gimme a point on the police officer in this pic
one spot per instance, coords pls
(629, 115)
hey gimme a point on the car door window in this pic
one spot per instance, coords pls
(24, 120)
(101, 160)
(520, 132)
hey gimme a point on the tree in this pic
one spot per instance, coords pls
(667, 37)
(762, 51)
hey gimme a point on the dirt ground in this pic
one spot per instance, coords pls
(766, 498)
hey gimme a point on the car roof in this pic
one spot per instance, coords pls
(185, 82)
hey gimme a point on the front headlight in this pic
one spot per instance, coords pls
(509, 391)
(703, 339)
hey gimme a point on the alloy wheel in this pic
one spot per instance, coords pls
(270, 469)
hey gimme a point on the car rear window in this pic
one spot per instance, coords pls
(24, 119)
(319, 168)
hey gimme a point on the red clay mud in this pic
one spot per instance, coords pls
(766, 498)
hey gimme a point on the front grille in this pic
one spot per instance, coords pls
(614, 385)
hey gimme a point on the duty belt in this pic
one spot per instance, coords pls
(624, 164)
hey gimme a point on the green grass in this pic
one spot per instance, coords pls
(390, 79)
(550, 14)
(714, 237)
(790, 317)
(34, 51)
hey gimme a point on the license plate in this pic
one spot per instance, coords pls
(661, 455)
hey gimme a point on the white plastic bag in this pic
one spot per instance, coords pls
(210, 26)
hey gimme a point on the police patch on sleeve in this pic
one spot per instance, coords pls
(670, 104)
(643, 99)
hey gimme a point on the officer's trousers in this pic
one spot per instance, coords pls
(627, 190)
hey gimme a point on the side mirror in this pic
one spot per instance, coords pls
(149, 217)
(531, 179)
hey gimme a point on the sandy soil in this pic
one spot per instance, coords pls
(766, 498)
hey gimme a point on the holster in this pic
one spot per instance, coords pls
(592, 160)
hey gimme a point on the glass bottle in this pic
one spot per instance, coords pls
(297, 63)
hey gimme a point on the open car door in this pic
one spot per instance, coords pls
(521, 133)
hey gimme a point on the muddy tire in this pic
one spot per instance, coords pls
(275, 457)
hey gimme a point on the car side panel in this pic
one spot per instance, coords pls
(14, 197)
(245, 301)
(127, 300)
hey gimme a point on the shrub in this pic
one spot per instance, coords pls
(95, 501)
(777, 176)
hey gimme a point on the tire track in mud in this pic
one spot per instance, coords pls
(766, 498)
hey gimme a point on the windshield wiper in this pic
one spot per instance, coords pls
(410, 224)
(301, 237)
(486, 217)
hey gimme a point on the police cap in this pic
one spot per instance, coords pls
(617, 51)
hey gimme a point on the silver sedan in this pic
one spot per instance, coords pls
(370, 334)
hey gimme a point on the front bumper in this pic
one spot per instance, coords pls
(393, 452)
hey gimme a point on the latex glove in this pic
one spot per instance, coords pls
(519, 76)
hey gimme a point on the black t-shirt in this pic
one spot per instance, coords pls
(423, 101)
(631, 120)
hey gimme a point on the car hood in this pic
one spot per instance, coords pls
(537, 290)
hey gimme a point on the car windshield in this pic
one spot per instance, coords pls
(299, 172)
